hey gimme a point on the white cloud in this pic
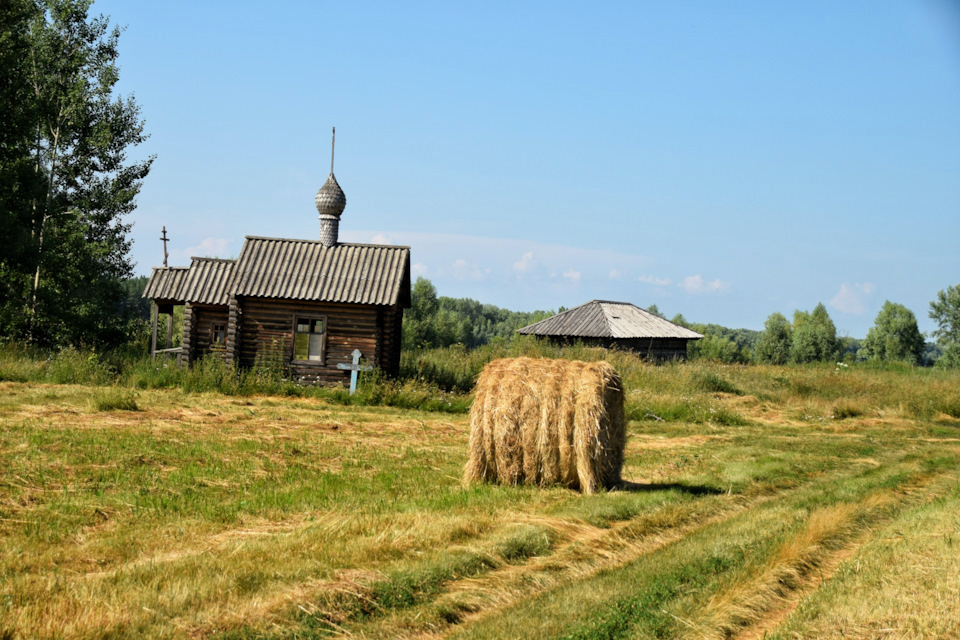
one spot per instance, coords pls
(615, 274)
(850, 298)
(514, 273)
(660, 282)
(418, 269)
(380, 239)
(462, 270)
(208, 247)
(697, 285)
(525, 264)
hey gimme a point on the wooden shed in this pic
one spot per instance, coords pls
(303, 304)
(296, 302)
(616, 325)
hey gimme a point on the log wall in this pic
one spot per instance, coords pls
(265, 330)
(202, 324)
(186, 345)
(234, 313)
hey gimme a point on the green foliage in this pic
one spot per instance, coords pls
(894, 336)
(719, 343)
(774, 343)
(850, 348)
(425, 325)
(716, 348)
(814, 337)
(441, 322)
(65, 184)
(945, 311)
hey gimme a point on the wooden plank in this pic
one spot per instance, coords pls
(153, 340)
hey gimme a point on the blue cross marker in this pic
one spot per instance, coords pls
(354, 368)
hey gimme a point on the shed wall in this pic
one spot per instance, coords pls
(651, 348)
(266, 327)
(202, 323)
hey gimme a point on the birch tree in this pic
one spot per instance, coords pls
(80, 185)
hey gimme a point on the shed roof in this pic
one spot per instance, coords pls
(308, 270)
(293, 270)
(165, 284)
(606, 319)
(208, 281)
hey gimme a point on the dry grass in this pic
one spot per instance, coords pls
(546, 422)
(900, 583)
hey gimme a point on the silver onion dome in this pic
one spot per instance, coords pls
(330, 198)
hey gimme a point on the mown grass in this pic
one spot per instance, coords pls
(916, 554)
(131, 511)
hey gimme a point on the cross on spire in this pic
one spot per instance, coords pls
(165, 239)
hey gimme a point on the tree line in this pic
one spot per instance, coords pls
(811, 336)
(433, 321)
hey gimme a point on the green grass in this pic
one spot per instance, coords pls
(441, 380)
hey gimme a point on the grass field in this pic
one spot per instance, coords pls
(760, 502)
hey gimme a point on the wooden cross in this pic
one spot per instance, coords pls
(164, 238)
(353, 369)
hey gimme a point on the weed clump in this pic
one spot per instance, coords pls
(526, 541)
(116, 399)
(847, 409)
(713, 383)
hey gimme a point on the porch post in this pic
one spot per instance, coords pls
(153, 342)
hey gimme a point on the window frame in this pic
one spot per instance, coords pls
(213, 335)
(322, 360)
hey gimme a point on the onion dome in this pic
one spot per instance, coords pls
(330, 198)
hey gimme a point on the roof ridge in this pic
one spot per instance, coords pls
(339, 244)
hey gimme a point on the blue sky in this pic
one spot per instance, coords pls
(721, 160)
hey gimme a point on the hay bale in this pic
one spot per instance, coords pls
(546, 422)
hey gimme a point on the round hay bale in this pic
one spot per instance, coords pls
(547, 422)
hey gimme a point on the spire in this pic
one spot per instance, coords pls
(330, 203)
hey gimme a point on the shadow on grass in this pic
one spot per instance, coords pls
(692, 489)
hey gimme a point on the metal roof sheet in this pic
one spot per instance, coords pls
(166, 284)
(309, 270)
(208, 281)
(605, 319)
